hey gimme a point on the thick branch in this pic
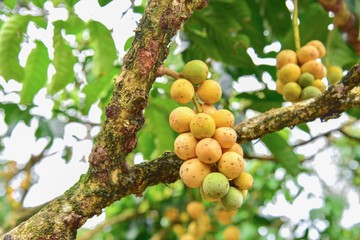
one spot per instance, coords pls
(109, 178)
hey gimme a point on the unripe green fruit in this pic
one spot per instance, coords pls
(306, 79)
(310, 92)
(292, 91)
(233, 199)
(334, 74)
(215, 185)
(196, 71)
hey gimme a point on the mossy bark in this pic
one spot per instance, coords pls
(109, 178)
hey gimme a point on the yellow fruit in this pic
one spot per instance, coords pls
(196, 71)
(182, 91)
(180, 118)
(317, 69)
(285, 56)
(289, 73)
(244, 181)
(319, 84)
(279, 87)
(207, 108)
(225, 136)
(334, 74)
(185, 145)
(310, 92)
(235, 148)
(231, 164)
(195, 209)
(224, 216)
(178, 229)
(193, 172)
(307, 53)
(231, 233)
(209, 91)
(187, 236)
(223, 118)
(244, 193)
(208, 150)
(172, 214)
(292, 92)
(320, 47)
(202, 126)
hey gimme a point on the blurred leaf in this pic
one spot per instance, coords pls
(11, 36)
(97, 88)
(63, 61)
(73, 24)
(104, 47)
(38, 3)
(71, 2)
(139, 9)
(103, 3)
(40, 21)
(262, 101)
(14, 114)
(35, 72)
(283, 152)
(128, 43)
(304, 127)
(10, 3)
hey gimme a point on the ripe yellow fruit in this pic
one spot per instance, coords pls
(223, 118)
(225, 136)
(224, 216)
(231, 233)
(292, 92)
(195, 209)
(231, 164)
(285, 56)
(185, 146)
(235, 148)
(289, 73)
(320, 47)
(180, 118)
(334, 74)
(317, 69)
(182, 91)
(196, 71)
(244, 181)
(187, 236)
(202, 126)
(209, 91)
(178, 229)
(279, 86)
(172, 214)
(307, 53)
(319, 84)
(207, 108)
(208, 150)
(192, 172)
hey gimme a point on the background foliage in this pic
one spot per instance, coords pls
(74, 68)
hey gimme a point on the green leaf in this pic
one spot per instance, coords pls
(71, 2)
(104, 2)
(74, 24)
(10, 3)
(262, 101)
(63, 61)
(35, 72)
(38, 3)
(128, 43)
(11, 36)
(103, 44)
(96, 88)
(283, 152)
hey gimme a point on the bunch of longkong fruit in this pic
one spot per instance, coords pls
(194, 223)
(213, 161)
(300, 74)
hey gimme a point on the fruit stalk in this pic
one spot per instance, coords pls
(296, 26)
(168, 72)
(197, 104)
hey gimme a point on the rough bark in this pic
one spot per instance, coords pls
(109, 178)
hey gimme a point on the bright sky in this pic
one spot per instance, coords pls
(55, 176)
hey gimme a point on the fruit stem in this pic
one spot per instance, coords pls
(296, 26)
(168, 72)
(197, 104)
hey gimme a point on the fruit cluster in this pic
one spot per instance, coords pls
(213, 161)
(300, 74)
(194, 223)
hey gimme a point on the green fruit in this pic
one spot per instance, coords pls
(233, 199)
(292, 91)
(196, 71)
(215, 185)
(334, 74)
(306, 79)
(310, 92)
